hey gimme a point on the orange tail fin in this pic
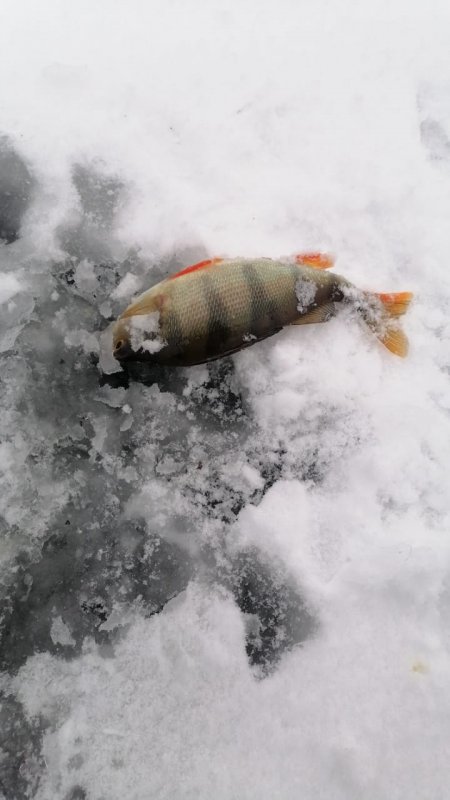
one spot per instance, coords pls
(387, 329)
(396, 303)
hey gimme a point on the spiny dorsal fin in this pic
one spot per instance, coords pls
(194, 267)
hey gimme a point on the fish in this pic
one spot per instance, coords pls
(222, 305)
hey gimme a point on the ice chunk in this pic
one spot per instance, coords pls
(80, 338)
(129, 285)
(9, 286)
(60, 633)
(107, 363)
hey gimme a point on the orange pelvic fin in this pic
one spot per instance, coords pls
(194, 267)
(315, 260)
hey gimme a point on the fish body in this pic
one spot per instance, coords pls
(220, 306)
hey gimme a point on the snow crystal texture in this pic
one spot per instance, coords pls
(229, 581)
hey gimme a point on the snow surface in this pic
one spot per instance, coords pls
(144, 332)
(231, 581)
(306, 292)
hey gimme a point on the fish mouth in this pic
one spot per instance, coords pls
(122, 350)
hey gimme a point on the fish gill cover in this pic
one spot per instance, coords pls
(232, 580)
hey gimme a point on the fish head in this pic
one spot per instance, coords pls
(137, 337)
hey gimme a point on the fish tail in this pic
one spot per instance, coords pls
(396, 303)
(385, 323)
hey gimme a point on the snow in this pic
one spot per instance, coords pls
(144, 332)
(231, 580)
(127, 286)
(306, 292)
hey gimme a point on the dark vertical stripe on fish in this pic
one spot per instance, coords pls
(262, 305)
(219, 331)
(174, 326)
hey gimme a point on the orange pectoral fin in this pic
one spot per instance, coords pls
(315, 260)
(194, 267)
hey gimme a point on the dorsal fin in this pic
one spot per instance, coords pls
(315, 260)
(201, 265)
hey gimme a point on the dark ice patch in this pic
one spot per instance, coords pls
(76, 793)
(21, 762)
(435, 139)
(16, 190)
(80, 579)
(89, 559)
(101, 195)
(90, 234)
(278, 617)
(432, 107)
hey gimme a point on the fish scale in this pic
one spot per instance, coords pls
(219, 306)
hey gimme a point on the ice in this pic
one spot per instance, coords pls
(9, 286)
(60, 632)
(231, 580)
(128, 286)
